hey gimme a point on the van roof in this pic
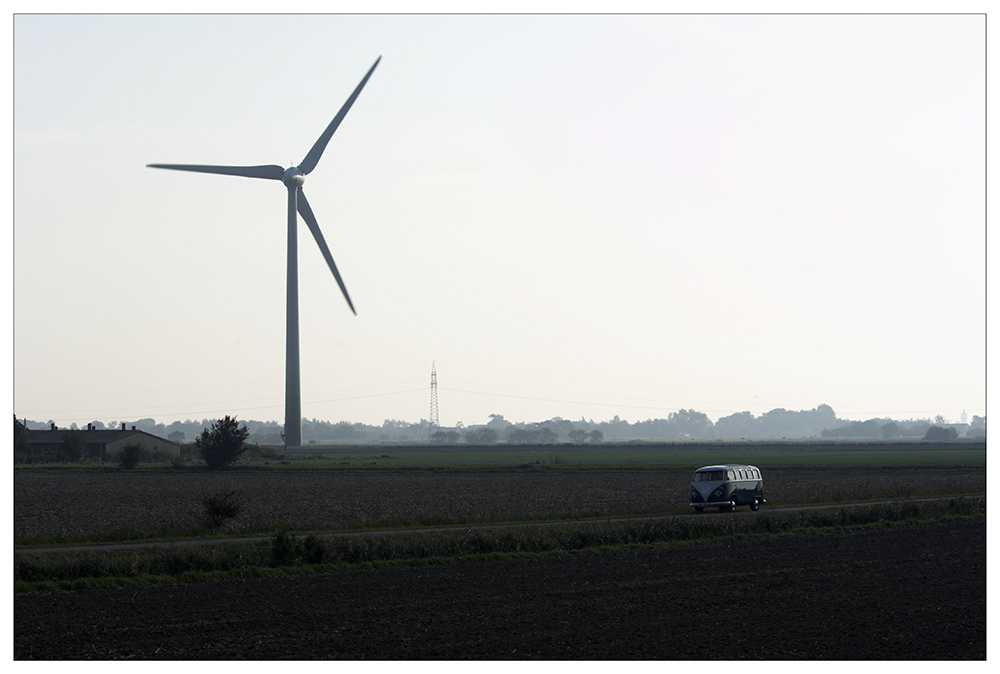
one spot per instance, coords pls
(726, 466)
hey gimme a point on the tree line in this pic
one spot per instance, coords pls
(820, 422)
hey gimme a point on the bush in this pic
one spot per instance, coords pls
(73, 446)
(313, 550)
(222, 444)
(939, 433)
(286, 550)
(130, 455)
(282, 549)
(221, 507)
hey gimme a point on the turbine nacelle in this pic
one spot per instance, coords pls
(293, 177)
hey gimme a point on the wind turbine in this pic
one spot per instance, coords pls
(293, 178)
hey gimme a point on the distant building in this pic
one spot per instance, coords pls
(100, 444)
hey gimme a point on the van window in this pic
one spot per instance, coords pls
(708, 476)
(730, 475)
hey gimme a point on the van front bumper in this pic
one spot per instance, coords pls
(715, 504)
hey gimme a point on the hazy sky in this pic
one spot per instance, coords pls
(574, 216)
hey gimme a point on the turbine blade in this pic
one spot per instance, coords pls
(309, 163)
(306, 212)
(269, 171)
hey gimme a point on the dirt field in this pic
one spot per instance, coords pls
(77, 504)
(909, 593)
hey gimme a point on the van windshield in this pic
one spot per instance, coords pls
(708, 476)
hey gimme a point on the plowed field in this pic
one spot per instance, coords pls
(72, 505)
(909, 593)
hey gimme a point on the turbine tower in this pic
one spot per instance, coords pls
(293, 178)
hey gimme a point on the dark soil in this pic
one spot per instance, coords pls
(75, 504)
(897, 594)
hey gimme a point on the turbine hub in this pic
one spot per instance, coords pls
(293, 177)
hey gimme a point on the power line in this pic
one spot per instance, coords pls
(93, 394)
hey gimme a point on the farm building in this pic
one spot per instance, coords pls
(101, 444)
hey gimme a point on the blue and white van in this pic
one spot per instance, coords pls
(727, 486)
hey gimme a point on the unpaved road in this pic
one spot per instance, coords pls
(200, 542)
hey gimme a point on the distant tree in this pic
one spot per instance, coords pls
(914, 428)
(445, 436)
(738, 425)
(939, 420)
(176, 436)
(689, 423)
(531, 436)
(890, 430)
(342, 430)
(222, 444)
(616, 429)
(73, 446)
(977, 429)
(481, 436)
(857, 429)
(130, 455)
(497, 422)
(939, 433)
(580, 436)
(561, 427)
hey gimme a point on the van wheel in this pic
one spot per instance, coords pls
(755, 506)
(731, 507)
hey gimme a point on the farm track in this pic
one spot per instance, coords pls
(91, 506)
(431, 530)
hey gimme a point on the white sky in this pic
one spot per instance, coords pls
(575, 216)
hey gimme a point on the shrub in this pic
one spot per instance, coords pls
(939, 433)
(313, 550)
(130, 455)
(282, 549)
(286, 550)
(73, 446)
(222, 444)
(221, 507)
